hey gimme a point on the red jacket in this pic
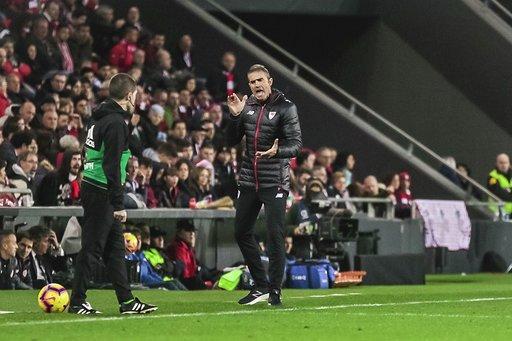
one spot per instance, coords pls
(179, 250)
(4, 103)
(121, 55)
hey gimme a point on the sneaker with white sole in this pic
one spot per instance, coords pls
(83, 309)
(136, 307)
(255, 296)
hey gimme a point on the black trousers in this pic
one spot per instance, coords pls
(102, 238)
(248, 206)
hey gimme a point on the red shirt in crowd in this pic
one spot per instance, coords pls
(121, 55)
(179, 250)
(4, 103)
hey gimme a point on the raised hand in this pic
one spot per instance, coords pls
(236, 105)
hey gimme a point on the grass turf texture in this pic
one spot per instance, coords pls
(449, 307)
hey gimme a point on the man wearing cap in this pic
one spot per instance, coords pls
(182, 249)
(270, 124)
(403, 196)
(156, 256)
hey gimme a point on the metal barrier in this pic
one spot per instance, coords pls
(356, 107)
(390, 206)
(500, 10)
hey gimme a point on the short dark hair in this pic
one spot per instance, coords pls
(184, 161)
(175, 123)
(4, 234)
(146, 162)
(168, 149)
(207, 145)
(182, 144)
(21, 138)
(38, 232)
(121, 85)
(259, 67)
(23, 235)
(10, 126)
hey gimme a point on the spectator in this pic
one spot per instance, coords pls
(306, 159)
(178, 131)
(403, 197)
(448, 170)
(148, 128)
(103, 29)
(40, 40)
(182, 249)
(27, 112)
(392, 183)
(466, 185)
(55, 86)
(146, 170)
(184, 54)
(372, 190)
(18, 143)
(134, 180)
(121, 54)
(201, 184)
(9, 271)
(156, 44)
(303, 175)
(62, 187)
(4, 99)
(14, 92)
(6, 199)
(51, 13)
(11, 63)
(338, 190)
(346, 163)
(185, 149)
(63, 57)
(323, 158)
(133, 19)
(225, 80)
(162, 76)
(25, 245)
(499, 182)
(23, 172)
(169, 194)
(225, 179)
(320, 173)
(184, 168)
(80, 45)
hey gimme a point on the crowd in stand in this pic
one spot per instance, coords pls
(56, 58)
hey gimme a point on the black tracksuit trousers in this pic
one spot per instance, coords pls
(248, 206)
(102, 238)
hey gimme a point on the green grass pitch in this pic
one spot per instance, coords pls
(473, 307)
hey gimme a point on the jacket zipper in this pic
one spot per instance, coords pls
(256, 134)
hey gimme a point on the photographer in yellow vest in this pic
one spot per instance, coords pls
(500, 182)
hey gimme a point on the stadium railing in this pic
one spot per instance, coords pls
(366, 118)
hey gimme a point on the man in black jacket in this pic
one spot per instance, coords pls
(271, 127)
(9, 271)
(106, 157)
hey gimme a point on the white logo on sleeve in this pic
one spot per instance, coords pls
(279, 195)
(90, 137)
(271, 115)
(250, 112)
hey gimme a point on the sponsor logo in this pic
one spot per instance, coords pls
(279, 195)
(271, 115)
(250, 112)
(89, 165)
(90, 137)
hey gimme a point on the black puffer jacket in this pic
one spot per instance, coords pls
(262, 123)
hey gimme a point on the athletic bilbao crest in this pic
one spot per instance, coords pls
(271, 115)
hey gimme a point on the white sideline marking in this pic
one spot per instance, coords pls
(249, 312)
(328, 295)
(432, 315)
(6, 312)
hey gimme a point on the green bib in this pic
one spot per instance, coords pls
(93, 166)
